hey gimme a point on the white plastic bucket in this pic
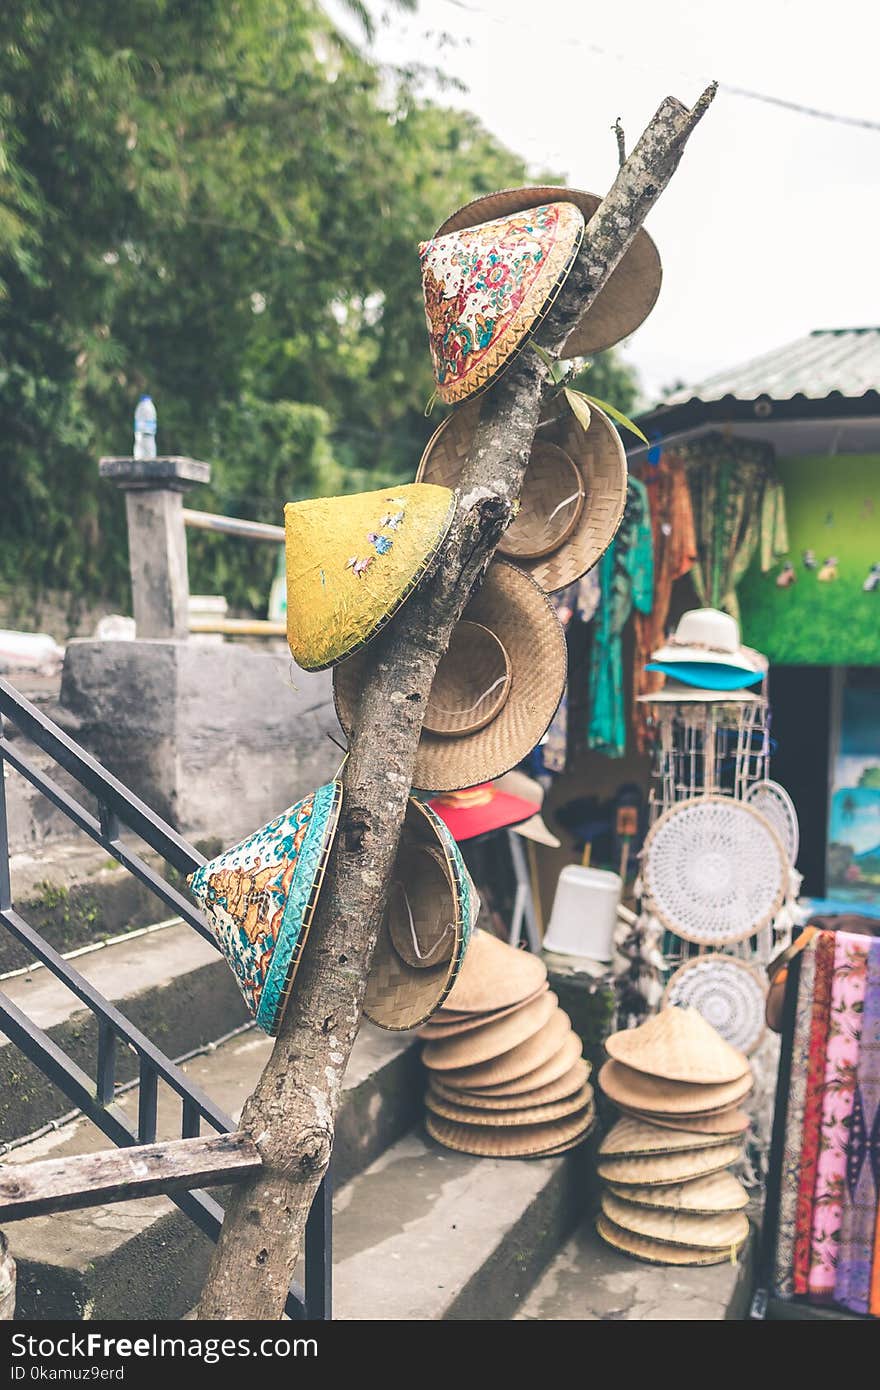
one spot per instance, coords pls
(584, 913)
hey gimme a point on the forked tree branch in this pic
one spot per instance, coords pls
(290, 1115)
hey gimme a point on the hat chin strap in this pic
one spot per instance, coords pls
(423, 957)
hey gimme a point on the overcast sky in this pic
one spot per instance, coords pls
(771, 226)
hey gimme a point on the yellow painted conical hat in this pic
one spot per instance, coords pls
(352, 561)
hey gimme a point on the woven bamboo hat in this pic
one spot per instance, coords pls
(436, 1028)
(556, 1066)
(517, 1062)
(432, 906)
(678, 1045)
(633, 1138)
(439, 1104)
(573, 497)
(495, 975)
(517, 1141)
(631, 290)
(575, 1079)
(487, 287)
(512, 608)
(657, 1170)
(654, 1252)
(654, 1095)
(259, 898)
(493, 1039)
(715, 1231)
(352, 561)
(718, 1192)
(727, 1122)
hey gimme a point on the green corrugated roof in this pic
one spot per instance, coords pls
(843, 360)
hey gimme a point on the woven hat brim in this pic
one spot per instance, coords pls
(654, 1253)
(636, 1138)
(727, 1122)
(678, 1045)
(718, 1231)
(701, 1196)
(523, 1141)
(571, 1081)
(528, 1115)
(656, 1095)
(493, 1039)
(521, 615)
(599, 457)
(631, 291)
(494, 976)
(518, 1061)
(435, 1029)
(552, 1070)
(658, 1170)
(735, 981)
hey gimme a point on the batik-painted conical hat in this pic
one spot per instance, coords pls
(259, 898)
(487, 287)
(631, 290)
(352, 561)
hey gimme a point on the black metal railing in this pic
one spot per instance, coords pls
(119, 810)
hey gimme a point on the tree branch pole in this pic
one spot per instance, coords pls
(290, 1115)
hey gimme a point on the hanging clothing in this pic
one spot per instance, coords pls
(626, 580)
(675, 552)
(577, 603)
(852, 1280)
(738, 505)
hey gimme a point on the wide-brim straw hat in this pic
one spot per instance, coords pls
(730, 994)
(573, 1080)
(703, 676)
(494, 976)
(678, 1045)
(595, 467)
(676, 692)
(633, 1138)
(432, 902)
(655, 1252)
(714, 1231)
(493, 1039)
(259, 899)
(479, 810)
(628, 295)
(719, 1192)
(662, 1169)
(557, 1066)
(519, 613)
(436, 1027)
(728, 1122)
(654, 1094)
(709, 637)
(517, 1141)
(440, 1104)
(487, 288)
(517, 1062)
(352, 561)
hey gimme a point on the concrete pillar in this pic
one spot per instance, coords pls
(154, 491)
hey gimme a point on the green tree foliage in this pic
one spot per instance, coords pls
(217, 201)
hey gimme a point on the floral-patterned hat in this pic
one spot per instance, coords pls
(631, 290)
(260, 897)
(488, 286)
(352, 561)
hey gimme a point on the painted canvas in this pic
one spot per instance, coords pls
(853, 864)
(820, 604)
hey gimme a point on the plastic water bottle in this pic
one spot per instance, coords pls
(145, 429)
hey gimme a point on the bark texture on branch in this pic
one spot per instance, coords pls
(291, 1113)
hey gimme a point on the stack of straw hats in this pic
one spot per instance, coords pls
(666, 1195)
(507, 1077)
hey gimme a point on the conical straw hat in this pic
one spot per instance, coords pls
(520, 615)
(434, 1030)
(653, 1095)
(631, 1138)
(552, 1070)
(528, 1115)
(493, 1039)
(518, 1061)
(572, 1080)
(660, 1169)
(729, 1121)
(703, 1196)
(352, 561)
(628, 295)
(678, 1045)
(399, 994)
(598, 458)
(494, 976)
(718, 1231)
(520, 1141)
(259, 899)
(487, 288)
(654, 1252)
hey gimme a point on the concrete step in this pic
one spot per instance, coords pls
(588, 1281)
(143, 1259)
